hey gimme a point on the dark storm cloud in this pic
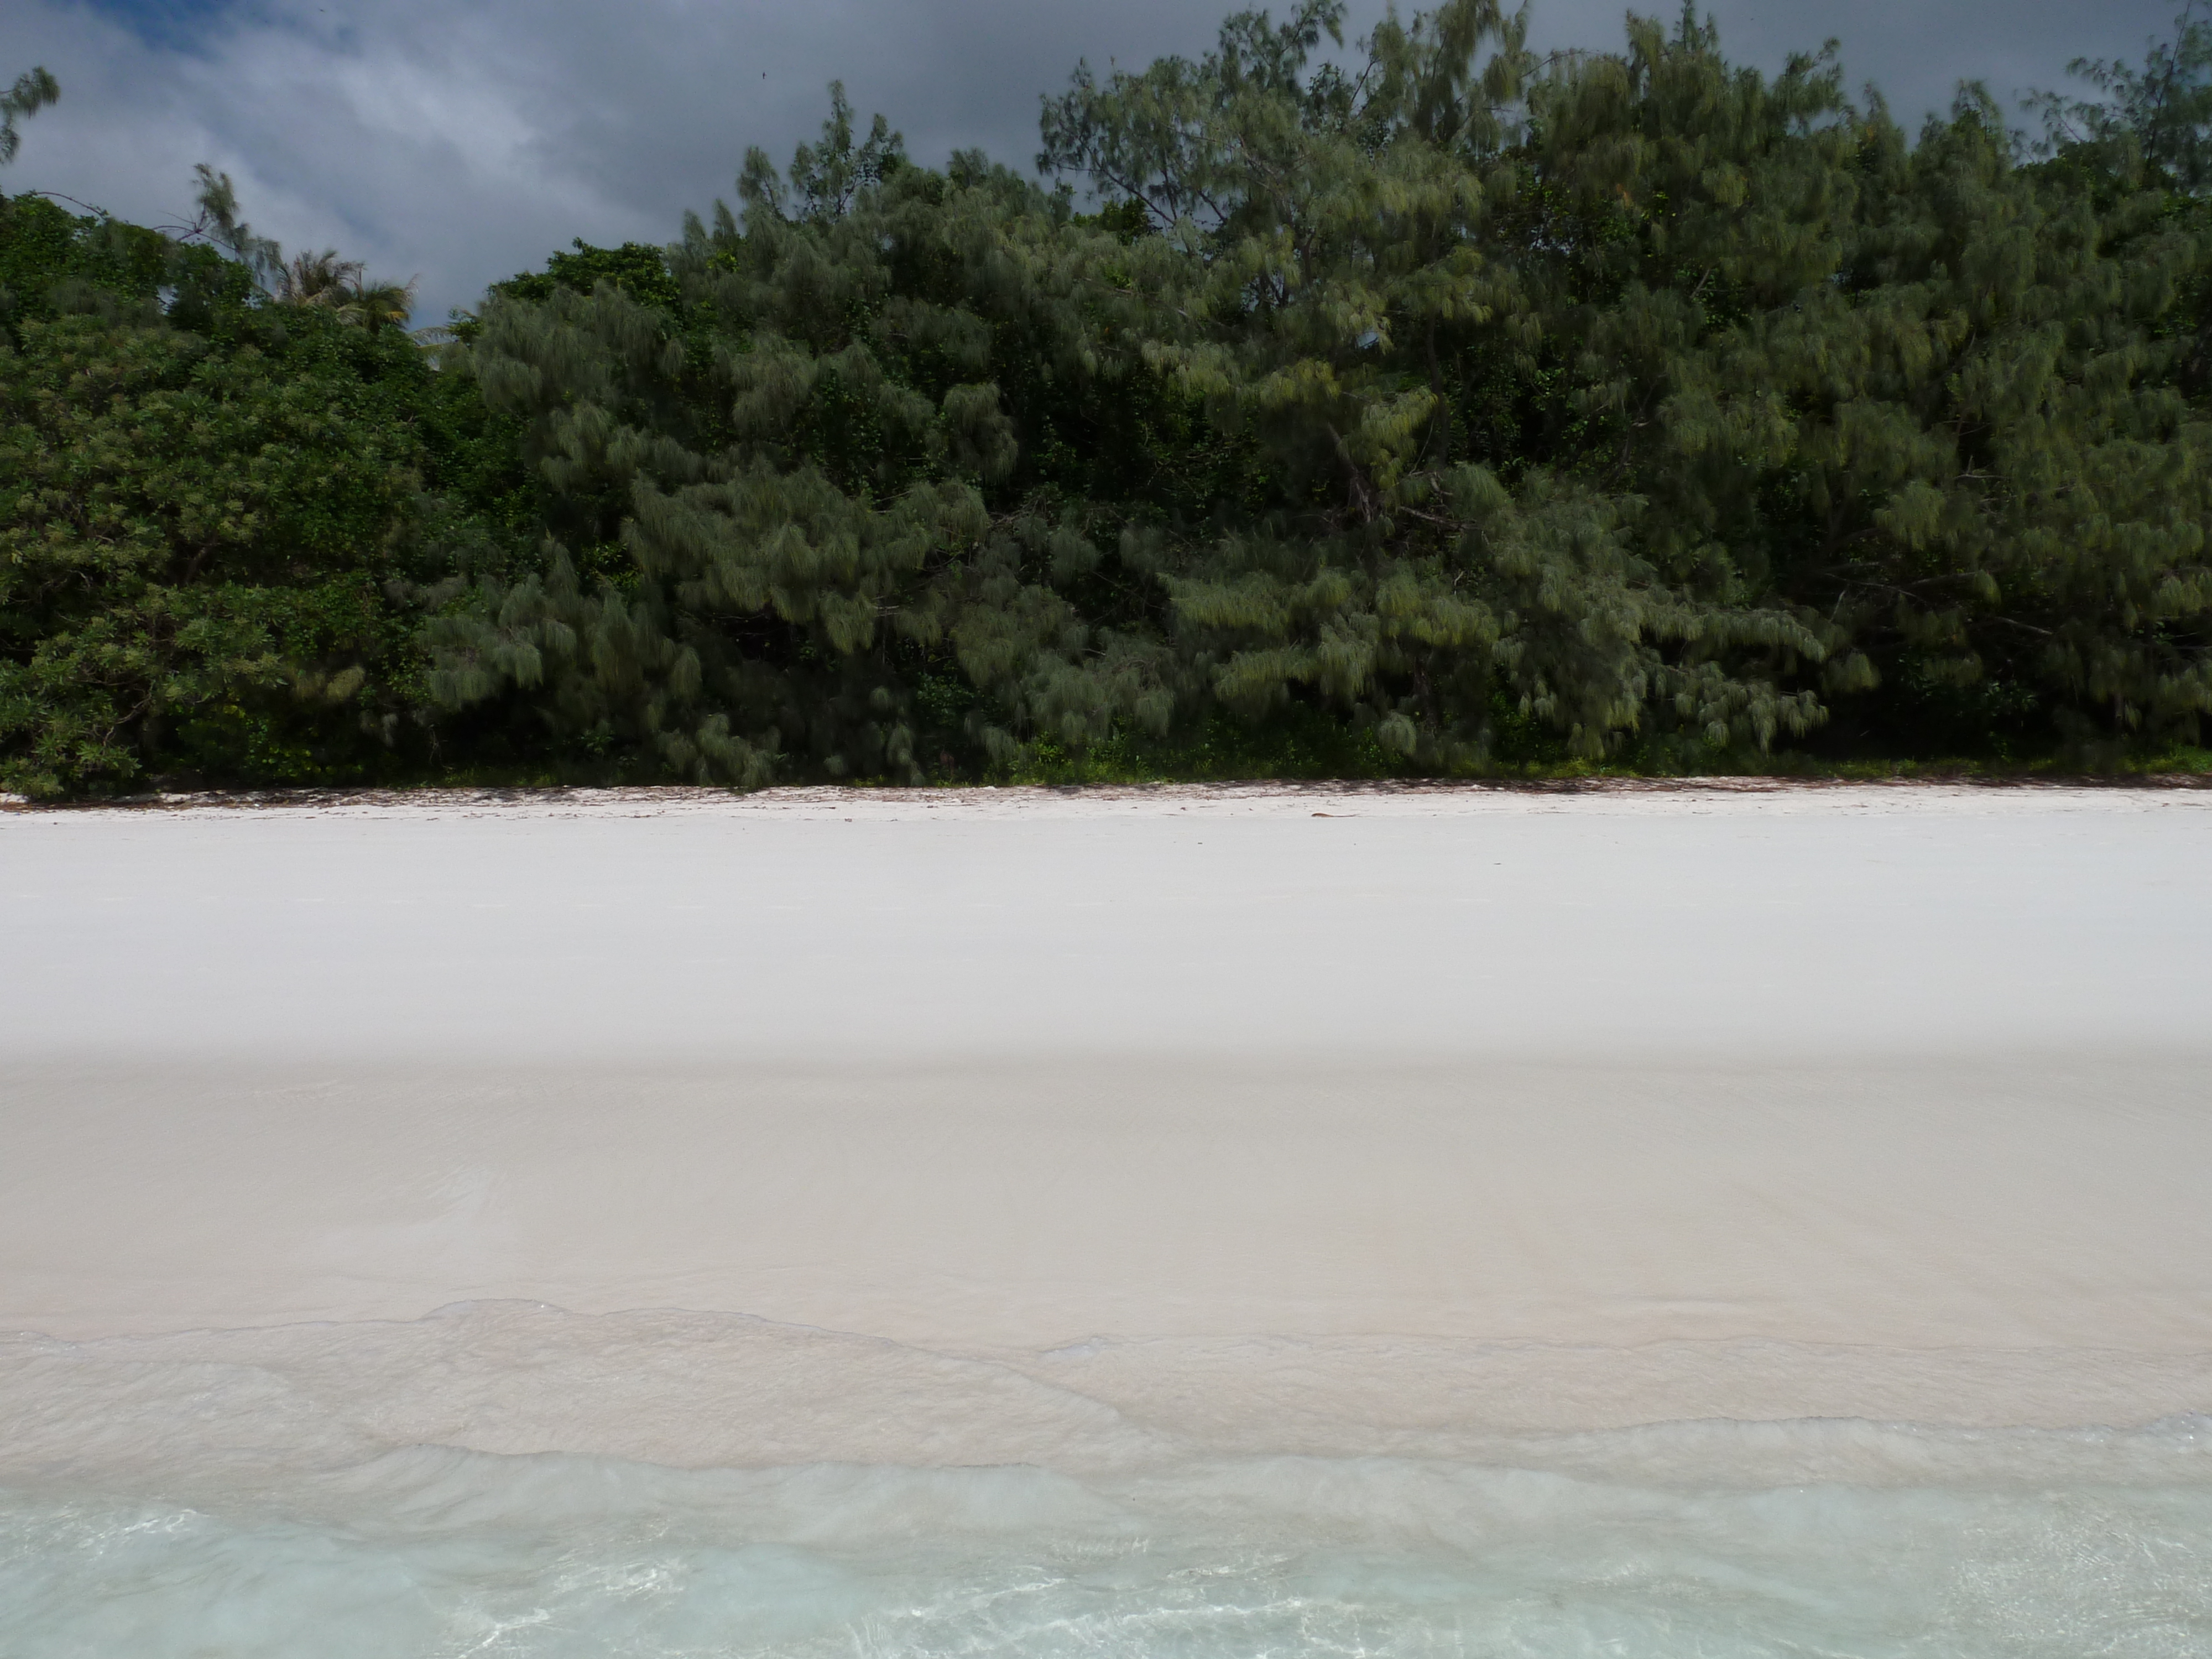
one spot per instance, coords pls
(1917, 50)
(465, 141)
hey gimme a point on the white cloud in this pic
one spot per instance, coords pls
(464, 141)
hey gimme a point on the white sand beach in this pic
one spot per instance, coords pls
(1506, 1109)
(1218, 1222)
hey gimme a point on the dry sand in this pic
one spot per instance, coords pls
(1449, 1108)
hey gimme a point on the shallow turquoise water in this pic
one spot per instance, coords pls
(2019, 1550)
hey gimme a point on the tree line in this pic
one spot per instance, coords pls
(1426, 406)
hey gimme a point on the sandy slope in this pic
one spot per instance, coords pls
(1767, 1080)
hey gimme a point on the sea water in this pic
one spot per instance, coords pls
(305, 1492)
(429, 1552)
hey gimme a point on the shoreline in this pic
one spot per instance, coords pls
(678, 1389)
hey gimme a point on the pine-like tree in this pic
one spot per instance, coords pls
(32, 92)
(826, 483)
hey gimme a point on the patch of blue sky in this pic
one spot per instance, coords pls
(180, 24)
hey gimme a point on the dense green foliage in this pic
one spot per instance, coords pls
(1435, 409)
(216, 533)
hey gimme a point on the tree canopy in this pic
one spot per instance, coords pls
(1462, 407)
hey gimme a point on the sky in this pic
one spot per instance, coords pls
(459, 141)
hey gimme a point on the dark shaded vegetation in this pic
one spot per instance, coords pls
(1440, 411)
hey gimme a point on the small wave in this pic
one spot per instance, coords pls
(510, 1480)
(436, 1552)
